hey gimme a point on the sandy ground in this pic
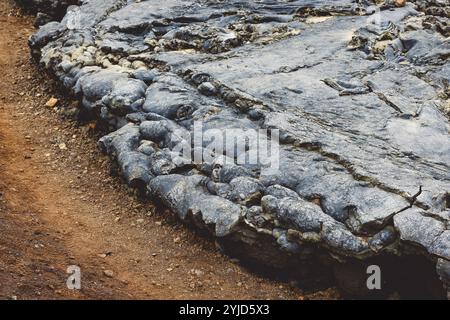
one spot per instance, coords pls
(60, 206)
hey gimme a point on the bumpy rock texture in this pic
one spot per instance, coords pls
(358, 90)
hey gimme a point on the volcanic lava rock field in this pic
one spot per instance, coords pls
(358, 91)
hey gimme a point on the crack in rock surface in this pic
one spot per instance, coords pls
(359, 92)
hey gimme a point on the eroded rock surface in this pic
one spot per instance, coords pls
(359, 91)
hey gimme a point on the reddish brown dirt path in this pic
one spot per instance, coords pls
(59, 206)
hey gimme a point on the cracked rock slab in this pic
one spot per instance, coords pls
(358, 91)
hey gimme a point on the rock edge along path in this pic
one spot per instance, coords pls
(358, 90)
(59, 206)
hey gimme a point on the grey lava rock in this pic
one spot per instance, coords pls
(358, 90)
(50, 8)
